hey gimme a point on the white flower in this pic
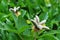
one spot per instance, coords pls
(39, 24)
(14, 9)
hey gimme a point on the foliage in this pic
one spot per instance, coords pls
(20, 28)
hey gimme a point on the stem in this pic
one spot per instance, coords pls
(20, 36)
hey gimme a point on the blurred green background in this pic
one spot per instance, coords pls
(18, 28)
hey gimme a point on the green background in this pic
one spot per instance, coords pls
(16, 28)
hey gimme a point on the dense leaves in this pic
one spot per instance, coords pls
(20, 28)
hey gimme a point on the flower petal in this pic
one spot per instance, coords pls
(17, 8)
(37, 19)
(11, 9)
(42, 22)
(34, 22)
(40, 27)
(14, 9)
(46, 27)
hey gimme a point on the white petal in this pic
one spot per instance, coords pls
(17, 8)
(37, 19)
(10, 9)
(42, 22)
(40, 27)
(46, 27)
(34, 22)
(14, 9)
